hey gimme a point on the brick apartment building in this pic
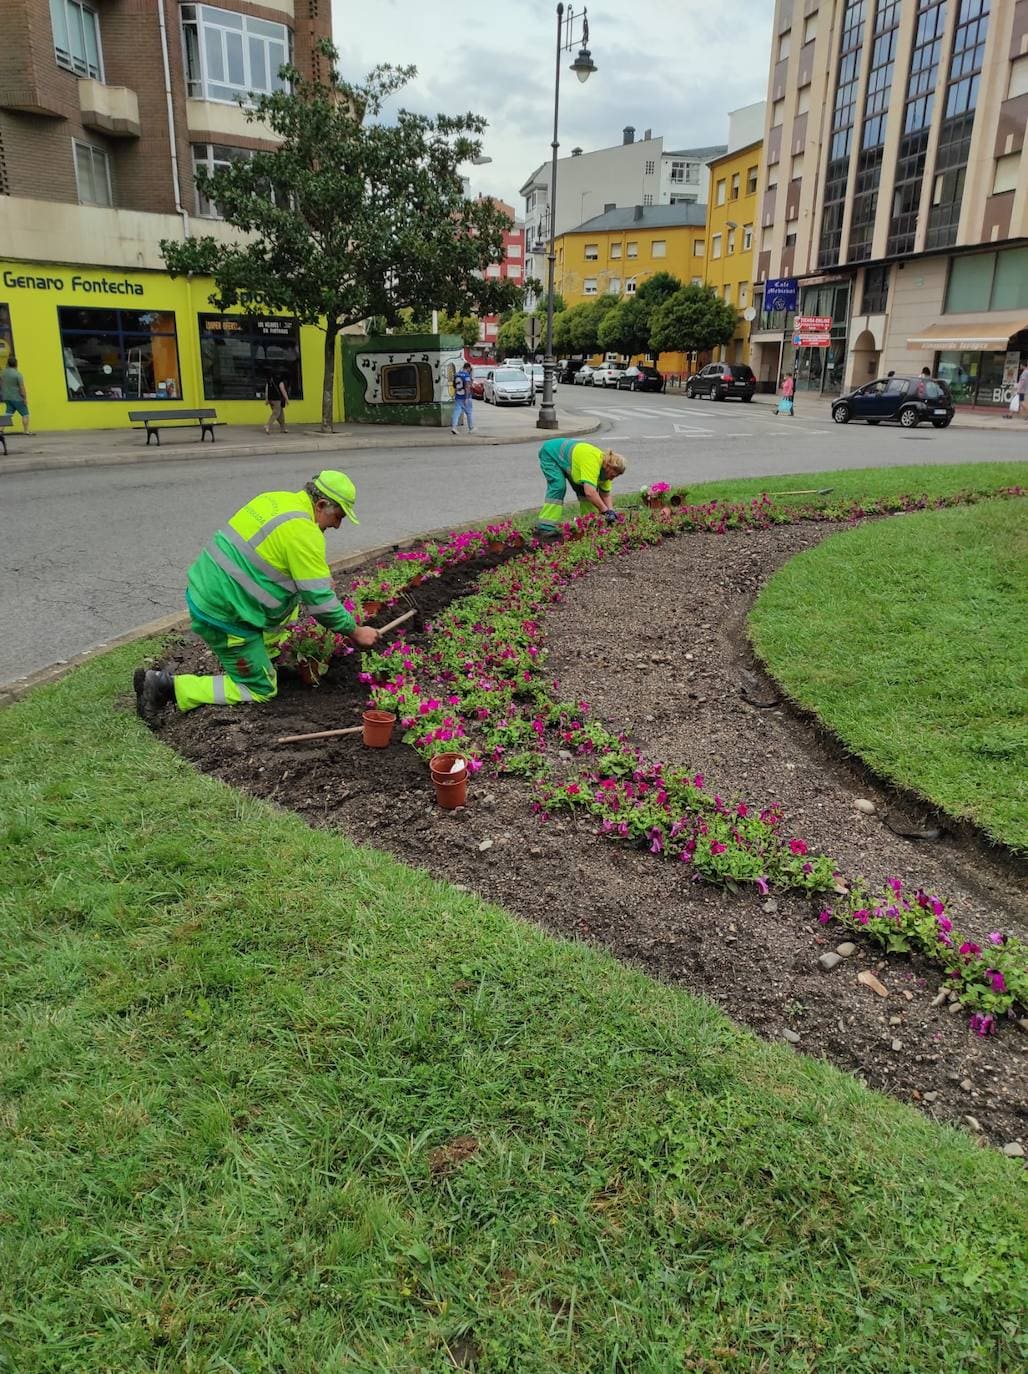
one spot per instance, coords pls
(895, 190)
(107, 107)
(511, 267)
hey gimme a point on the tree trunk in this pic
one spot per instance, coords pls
(328, 389)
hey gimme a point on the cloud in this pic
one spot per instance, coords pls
(676, 66)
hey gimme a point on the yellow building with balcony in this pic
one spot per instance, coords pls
(614, 253)
(729, 252)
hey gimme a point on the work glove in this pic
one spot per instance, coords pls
(611, 517)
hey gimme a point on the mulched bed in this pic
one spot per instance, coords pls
(656, 642)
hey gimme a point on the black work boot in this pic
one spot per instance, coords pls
(154, 689)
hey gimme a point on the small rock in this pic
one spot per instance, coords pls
(829, 961)
(897, 1045)
(1015, 1150)
(930, 1097)
(1023, 1024)
(770, 906)
(965, 1085)
(908, 994)
(870, 981)
(940, 997)
(689, 658)
(974, 1123)
(791, 1036)
(895, 1020)
(954, 1007)
(565, 754)
(486, 844)
(846, 949)
(862, 804)
(535, 850)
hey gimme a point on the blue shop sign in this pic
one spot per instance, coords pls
(780, 293)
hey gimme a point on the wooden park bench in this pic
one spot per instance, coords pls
(5, 423)
(153, 421)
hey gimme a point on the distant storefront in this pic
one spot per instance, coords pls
(95, 344)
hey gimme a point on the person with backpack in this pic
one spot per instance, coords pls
(276, 393)
(462, 399)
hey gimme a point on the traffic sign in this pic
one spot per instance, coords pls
(780, 293)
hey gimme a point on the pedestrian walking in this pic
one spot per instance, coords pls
(462, 400)
(13, 393)
(1019, 400)
(588, 470)
(785, 405)
(276, 393)
(264, 569)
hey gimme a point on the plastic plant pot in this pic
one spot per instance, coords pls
(450, 792)
(441, 766)
(369, 608)
(378, 728)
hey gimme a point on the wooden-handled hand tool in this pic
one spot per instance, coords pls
(320, 734)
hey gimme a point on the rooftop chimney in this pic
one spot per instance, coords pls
(576, 152)
(610, 205)
(647, 135)
(637, 212)
(628, 134)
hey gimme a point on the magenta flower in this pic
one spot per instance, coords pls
(742, 810)
(968, 948)
(717, 847)
(995, 937)
(797, 847)
(825, 916)
(698, 780)
(762, 886)
(944, 923)
(982, 1024)
(937, 907)
(999, 983)
(656, 841)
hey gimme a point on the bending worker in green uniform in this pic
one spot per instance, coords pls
(266, 567)
(588, 469)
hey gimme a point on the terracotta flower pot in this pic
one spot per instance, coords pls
(450, 792)
(369, 608)
(495, 546)
(307, 675)
(440, 766)
(417, 579)
(378, 728)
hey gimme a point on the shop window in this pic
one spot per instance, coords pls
(238, 353)
(92, 174)
(876, 290)
(6, 335)
(1010, 283)
(230, 56)
(406, 383)
(77, 38)
(119, 355)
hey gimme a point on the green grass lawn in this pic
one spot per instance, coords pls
(230, 1044)
(907, 637)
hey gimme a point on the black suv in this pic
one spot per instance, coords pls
(641, 377)
(906, 399)
(721, 380)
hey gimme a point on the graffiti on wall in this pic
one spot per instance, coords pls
(408, 377)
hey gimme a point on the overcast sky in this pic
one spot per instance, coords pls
(676, 66)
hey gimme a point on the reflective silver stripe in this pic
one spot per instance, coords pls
(244, 692)
(219, 691)
(243, 578)
(321, 607)
(315, 584)
(281, 519)
(245, 547)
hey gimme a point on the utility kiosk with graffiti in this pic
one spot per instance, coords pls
(400, 379)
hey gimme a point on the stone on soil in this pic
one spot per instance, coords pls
(829, 961)
(846, 949)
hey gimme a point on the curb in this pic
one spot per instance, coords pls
(319, 443)
(11, 692)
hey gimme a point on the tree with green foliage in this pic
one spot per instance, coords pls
(585, 328)
(559, 304)
(655, 290)
(350, 217)
(693, 320)
(626, 328)
(510, 337)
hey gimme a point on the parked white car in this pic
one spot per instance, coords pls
(535, 371)
(508, 386)
(584, 375)
(607, 375)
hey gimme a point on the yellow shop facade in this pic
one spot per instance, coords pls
(94, 343)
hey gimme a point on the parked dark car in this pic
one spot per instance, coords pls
(721, 380)
(567, 372)
(908, 400)
(641, 378)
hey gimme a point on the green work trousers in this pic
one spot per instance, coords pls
(557, 482)
(249, 670)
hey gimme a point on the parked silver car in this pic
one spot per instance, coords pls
(508, 386)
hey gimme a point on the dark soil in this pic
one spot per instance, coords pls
(656, 642)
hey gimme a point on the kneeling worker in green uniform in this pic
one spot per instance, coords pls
(265, 568)
(589, 471)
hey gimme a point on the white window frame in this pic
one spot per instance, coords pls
(629, 286)
(678, 170)
(698, 248)
(615, 251)
(715, 246)
(730, 243)
(203, 23)
(651, 167)
(721, 190)
(95, 154)
(747, 237)
(592, 252)
(632, 249)
(69, 19)
(513, 250)
(658, 248)
(615, 286)
(588, 286)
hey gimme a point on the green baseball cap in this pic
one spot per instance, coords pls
(338, 488)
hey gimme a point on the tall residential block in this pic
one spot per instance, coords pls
(107, 108)
(895, 190)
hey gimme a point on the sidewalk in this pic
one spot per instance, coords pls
(819, 407)
(101, 447)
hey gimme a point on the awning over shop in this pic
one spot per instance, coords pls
(976, 336)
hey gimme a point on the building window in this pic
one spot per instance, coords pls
(917, 118)
(736, 177)
(730, 243)
(751, 181)
(747, 237)
(630, 286)
(658, 248)
(876, 290)
(683, 200)
(119, 355)
(715, 246)
(685, 173)
(727, 293)
(214, 157)
(958, 122)
(615, 250)
(592, 252)
(92, 174)
(988, 281)
(633, 250)
(721, 192)
(785, 46)
(589, 286)
(810, 27)
(872, 136)
(844, 112)
(514, 250)
(696, 281)
(744, 291)
(229, 55)
(77, 38)
(651, 167)
(790, 240)
(697, 248)
(238, 353)
(647, 199)
(615, 286)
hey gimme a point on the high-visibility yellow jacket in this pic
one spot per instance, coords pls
(269, 557)
(581, 463)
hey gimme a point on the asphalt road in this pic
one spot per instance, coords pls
(90, 553)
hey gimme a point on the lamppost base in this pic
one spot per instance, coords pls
(547, 418)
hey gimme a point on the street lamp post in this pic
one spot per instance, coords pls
(583, 67)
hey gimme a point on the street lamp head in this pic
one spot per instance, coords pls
(583, 65)
(480, 161)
